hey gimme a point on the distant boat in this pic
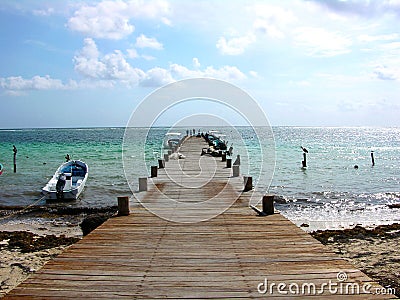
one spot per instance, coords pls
(71, 177)
(171, 140)
(1, 169)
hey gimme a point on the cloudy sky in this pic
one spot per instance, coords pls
(308, 63)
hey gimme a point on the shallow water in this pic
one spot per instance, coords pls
(329, 193)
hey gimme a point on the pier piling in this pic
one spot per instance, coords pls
(229, 162)
(235, 170)
(161, 164)
(123, 206)
(372, 158)
(268, 204)
(223, 157)
(248, 183)
(153, 170)
(142, 184)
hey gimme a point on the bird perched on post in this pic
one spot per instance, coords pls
(304, 149)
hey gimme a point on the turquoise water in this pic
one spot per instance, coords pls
(329, 193)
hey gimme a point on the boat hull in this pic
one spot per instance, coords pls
(77, 176)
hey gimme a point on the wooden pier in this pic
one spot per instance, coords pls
(235, 254)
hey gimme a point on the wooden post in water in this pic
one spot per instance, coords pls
(229, 162)
(123, 206)
(235, 170)
(153, 171)
(161, 164)
(166, 157)
(268, 204)
(142, 184)
(248, 183)
(304, 162)
(15, 158)
(372, 158)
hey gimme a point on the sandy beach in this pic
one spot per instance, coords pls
(373, 251)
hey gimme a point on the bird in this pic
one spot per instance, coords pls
(304, 149)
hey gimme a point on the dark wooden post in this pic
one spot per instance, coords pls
(372, 158)
(15, 158)
(248, 183)
(142, 184)
(123, 206)
(268, 204)
(154, 171)
(304, 162)
(161, 164)
(223, 157)
(229, 162)
(235, 170)
(166, 157)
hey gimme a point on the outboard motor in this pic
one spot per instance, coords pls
(60, 186)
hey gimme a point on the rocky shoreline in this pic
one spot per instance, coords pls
(30, 239)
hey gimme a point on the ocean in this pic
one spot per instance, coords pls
(329, 193)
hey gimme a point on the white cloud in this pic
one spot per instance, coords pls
(17, 83)
(321, 42)
(143, 41)
(253, 74)
(385, 73)
(132, 53)
(157, 77)
(272, 20)
(112, 19)
(374, 38)
(112, 66)
(235, 45)
(44, 12)
(229, 73)
(148, 57)
(105, 20)
(196, 63)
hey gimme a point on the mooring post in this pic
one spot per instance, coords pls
(169, 152)
(153, 171)
(237, 161)
(166, 157)
(15, 158)
(372, 158)
(161, 164)
(123, 206)
(142, 184)
(268, 204)
(223, 156)
(304, 162)
(229, 162)
(248, 183)
(235, 170)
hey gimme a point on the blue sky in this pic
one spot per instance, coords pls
(307, 63)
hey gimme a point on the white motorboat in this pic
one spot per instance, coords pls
(68, 181)
(171, 140)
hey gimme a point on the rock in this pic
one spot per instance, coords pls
(92, 222)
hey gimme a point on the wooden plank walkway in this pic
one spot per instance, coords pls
(229, 256)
